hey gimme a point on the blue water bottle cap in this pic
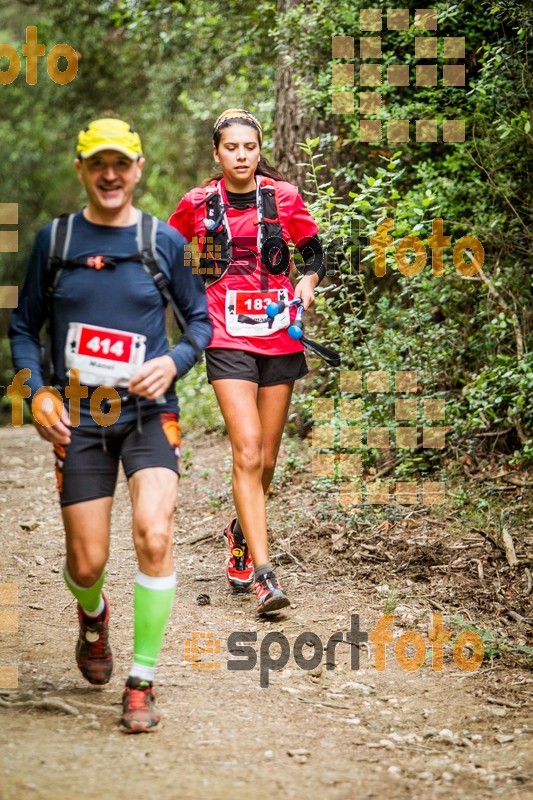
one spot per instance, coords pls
(272, 309)
(295, 330)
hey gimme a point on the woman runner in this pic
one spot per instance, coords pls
(251, 361)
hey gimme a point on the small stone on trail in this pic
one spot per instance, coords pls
(386, 743)
(28, 526)
(446, 735)
(13, 461)
(503, 738)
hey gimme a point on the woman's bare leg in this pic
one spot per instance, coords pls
(273, 406)
(238, 402)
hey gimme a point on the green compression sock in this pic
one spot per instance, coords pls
(153, 598)
(89, 598)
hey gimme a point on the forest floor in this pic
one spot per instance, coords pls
(338, 733)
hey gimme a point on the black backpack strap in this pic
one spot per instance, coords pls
(146, 240)
(60, 237)
(216, 240)
(331, 358)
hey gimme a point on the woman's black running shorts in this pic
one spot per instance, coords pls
(240, 365)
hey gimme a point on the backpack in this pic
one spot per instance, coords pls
(215, 245)
(146, 240)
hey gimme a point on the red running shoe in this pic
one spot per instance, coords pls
(269, 593)
(93, 653)
(139, 714)
(239, 566)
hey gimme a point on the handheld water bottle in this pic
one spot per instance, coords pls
(273, 309)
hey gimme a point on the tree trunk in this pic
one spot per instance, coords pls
(292, 123)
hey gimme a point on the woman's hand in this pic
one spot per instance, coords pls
(306, 289)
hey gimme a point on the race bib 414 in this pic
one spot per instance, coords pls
(104, 356)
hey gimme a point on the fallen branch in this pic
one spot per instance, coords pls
(290, 555)
(489, 537)
(518, 617)
(497, 701)
(516, 481)
(48, 704)
(197, 537)
(508, 544)
(480, 572)
(527, 573)
(436, 605)
(493, 433)
(325, 705)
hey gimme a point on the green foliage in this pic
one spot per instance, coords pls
(170, 67)
(494, 644)
(198, 406)
(467, 336)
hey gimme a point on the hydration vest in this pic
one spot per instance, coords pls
(214, 235)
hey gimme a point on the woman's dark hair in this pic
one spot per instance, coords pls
(263, 167)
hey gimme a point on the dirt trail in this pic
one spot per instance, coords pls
(334, 734)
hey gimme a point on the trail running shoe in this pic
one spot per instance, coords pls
(270, 595)
(93, 653)
(139, 714)
(239, 566)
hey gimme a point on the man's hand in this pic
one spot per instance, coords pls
(153, 378)
(306, 289)
(50, 407)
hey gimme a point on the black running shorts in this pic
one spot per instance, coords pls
(240, 365)
(87, 468)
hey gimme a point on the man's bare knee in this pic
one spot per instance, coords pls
(153, 544)
(84, 572)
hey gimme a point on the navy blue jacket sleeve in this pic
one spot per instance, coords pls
(28, 318)
(189, 293)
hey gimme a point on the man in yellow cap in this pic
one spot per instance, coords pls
(102, 277)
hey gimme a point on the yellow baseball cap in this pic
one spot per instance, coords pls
(109, 134)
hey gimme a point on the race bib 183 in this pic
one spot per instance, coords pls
(246, 313)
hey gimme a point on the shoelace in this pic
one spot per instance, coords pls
(137, 699)
(98, 647)
(268, 581)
